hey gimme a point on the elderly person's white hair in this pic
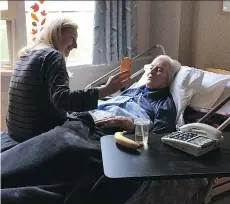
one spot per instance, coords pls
(174, 68)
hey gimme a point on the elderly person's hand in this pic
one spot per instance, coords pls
(122, 122)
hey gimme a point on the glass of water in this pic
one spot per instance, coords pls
(142, 131)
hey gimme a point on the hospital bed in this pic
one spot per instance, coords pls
(220, 107)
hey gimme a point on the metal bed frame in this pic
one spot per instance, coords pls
(118, 68)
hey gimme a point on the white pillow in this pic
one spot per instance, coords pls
(186, 83)
(211, 89)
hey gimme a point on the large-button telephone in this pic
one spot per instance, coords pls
(195, 138)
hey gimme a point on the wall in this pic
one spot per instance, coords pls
(194, 32)
(171, 26)
(143, 25)
(211, 36)
(165, 25)
(186, 29)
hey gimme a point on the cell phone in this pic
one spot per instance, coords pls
(125, 65)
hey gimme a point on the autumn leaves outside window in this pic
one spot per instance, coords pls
(38, 15)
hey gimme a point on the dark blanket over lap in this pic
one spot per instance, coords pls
(60, 166)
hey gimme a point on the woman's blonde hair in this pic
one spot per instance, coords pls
(50, 35)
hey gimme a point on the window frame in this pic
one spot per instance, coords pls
(15, 26)
(10, 27)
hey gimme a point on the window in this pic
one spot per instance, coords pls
(4, 46)
(80, 11)
(7, 35)
(3, 5)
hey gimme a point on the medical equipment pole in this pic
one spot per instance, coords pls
(224, 125)
(212, 111)
(117, 68)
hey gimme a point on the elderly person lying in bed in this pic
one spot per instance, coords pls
(151, 101)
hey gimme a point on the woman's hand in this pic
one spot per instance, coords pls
(114, 84)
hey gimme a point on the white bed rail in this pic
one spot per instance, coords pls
(96, 82)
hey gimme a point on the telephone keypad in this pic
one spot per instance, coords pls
(203, 142)
(182, 135)
(191, 137)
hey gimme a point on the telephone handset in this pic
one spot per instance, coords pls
(195, 138)
(202, 129)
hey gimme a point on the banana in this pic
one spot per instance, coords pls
(125, 142)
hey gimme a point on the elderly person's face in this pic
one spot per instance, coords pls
(68, 41)
(159, 77)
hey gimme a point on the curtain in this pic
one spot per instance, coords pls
(114, 31)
